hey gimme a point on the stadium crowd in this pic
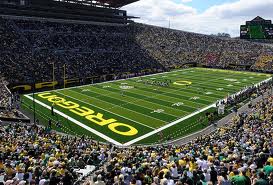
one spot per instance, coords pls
(9, 103)
(175, 48)
(240, 153)
(4, 93)
(29, 47)
(34, 155)
(264, 63)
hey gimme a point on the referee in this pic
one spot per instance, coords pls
(52, 109)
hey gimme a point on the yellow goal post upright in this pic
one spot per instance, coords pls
(64, 68)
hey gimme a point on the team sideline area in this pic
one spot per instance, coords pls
(142, 110)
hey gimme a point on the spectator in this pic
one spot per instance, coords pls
(213, 175)
(238, 179)
(261, 179)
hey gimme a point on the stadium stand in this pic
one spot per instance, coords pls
(241, 153)
(265, 62)
(175, 48)
(9, 104)
(4, 93)
(34, 155)
(88, 50)
(110, 50)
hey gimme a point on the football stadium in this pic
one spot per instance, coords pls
(90, 94)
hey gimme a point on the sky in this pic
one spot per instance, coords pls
(201, 16)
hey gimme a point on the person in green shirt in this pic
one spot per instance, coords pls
(261, 179)
(268, 169)
(238, 179)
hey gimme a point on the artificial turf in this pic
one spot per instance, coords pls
(143, 106)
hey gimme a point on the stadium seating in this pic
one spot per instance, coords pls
(33, 155)
(265, 62)
(4, 93)
(173, 47)
(241, 153)
(9, 103)
(88, 50)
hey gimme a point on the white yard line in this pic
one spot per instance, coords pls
(114, 105)
(144, 99)
(76, 122)
(111, 112)
(167, 96)
(132, 102)
(166, 126)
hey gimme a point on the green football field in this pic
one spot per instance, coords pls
(134, 111)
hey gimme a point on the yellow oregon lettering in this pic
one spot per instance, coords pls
(82, 111)
(68, 105)
(132, 131)
(89, 114)
(45, 84)
(70, 81)
(99, 120)
(46, 95)
(56, 99)
(23, 87)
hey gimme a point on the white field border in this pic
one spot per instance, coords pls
(168, 125)
(145, 135)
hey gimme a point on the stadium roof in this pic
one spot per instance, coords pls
(258, 18)
(117, 3)
(110, 3)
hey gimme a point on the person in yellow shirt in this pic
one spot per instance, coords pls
(193, 165)
(61, 170)
(182, 162)
(1, 165)
(270, 159)
(231, 174)
(210, 158)
(164, 169)
(58, 155)
(9, 171)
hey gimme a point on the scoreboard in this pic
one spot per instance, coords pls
(258, 28)
(256, 32)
